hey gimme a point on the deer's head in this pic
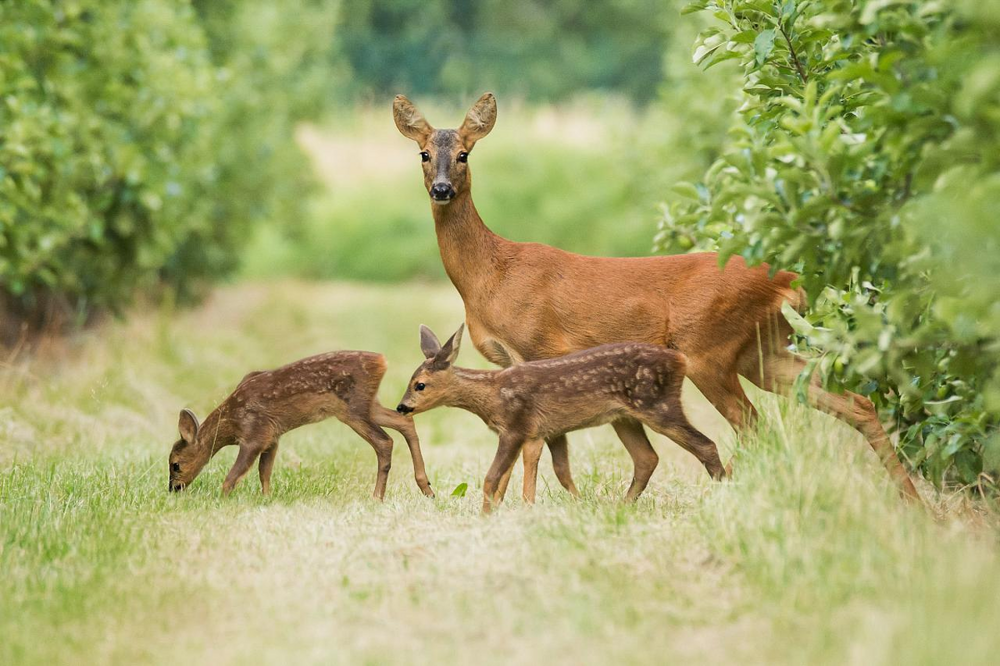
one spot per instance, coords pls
(189, 454)
(445, 152)
(434, 382)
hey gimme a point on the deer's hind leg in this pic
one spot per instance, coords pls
(778, 374)
(385, 417)
(559, 450)
(381, 442)
(669, 420)
(644, 458)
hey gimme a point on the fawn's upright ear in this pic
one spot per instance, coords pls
(429, 343)
(479, 120)
(449, 351)
(409, 122)
(187, 424)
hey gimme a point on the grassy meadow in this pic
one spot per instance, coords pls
(806, 556)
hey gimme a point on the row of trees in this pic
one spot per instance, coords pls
(536, 49)
(140, 140)
(865, 156)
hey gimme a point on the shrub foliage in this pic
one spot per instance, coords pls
(865, 157)
(136, 148)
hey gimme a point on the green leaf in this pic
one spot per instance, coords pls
(687, 190)
(797, 321)
(460, 490)
(763, 45)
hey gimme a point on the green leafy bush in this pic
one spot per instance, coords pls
(139, 141)
(865, 158)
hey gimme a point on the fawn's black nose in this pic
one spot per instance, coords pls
(176, 487)
(442, 191)
(403, 409)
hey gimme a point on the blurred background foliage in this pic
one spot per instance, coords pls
(527, 48)
(151, 147)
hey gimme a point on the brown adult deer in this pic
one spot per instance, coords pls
(266, 405)
(625, 384)
(526, 301)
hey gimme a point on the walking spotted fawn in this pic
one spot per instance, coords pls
(266, 405)
(625, 384)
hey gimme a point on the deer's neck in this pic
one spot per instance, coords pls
(471, 253)
(475, 391)
(215, 432)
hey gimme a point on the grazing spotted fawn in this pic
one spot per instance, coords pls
(268, 404)
(625, 384)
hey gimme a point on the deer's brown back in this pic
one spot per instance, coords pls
(310, 390)
(591, 387)
(551, 303)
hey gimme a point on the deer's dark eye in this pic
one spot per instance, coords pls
(425, 156)
(463, 156)
(420, 386)
(175, 467)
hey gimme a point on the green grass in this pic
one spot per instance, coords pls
(806, 556)
(576, 178)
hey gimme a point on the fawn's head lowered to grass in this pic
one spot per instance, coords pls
(188, 455)
(445, 152)
(433, 383)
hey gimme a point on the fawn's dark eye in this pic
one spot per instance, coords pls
(176, 467)
(425, 156)
(463, 156)
(420, 386)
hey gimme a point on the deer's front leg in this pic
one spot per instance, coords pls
(504, 481)
(248, 454)
(532, 453)
(266, 466)
(507, 452)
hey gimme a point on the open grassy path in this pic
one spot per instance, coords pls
(806, 557)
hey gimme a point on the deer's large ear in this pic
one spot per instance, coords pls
(480, 119)
(409, 121)
(187, 425)
(429, 343)
(449, 351)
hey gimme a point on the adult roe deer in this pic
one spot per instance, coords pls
(625, 384)
(265, 405)
(527, 301)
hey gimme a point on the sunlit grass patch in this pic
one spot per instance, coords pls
(806, 556)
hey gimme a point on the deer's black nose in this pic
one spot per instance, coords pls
(442, 191)
(403, 409)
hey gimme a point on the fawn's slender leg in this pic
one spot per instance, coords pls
(266, 466)
(672, 423)
(644, 458)
(382, 444)
(404, 425)
(504, 482)
(244, 460)
(503, 461)
(559, 449)
(532, 451)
